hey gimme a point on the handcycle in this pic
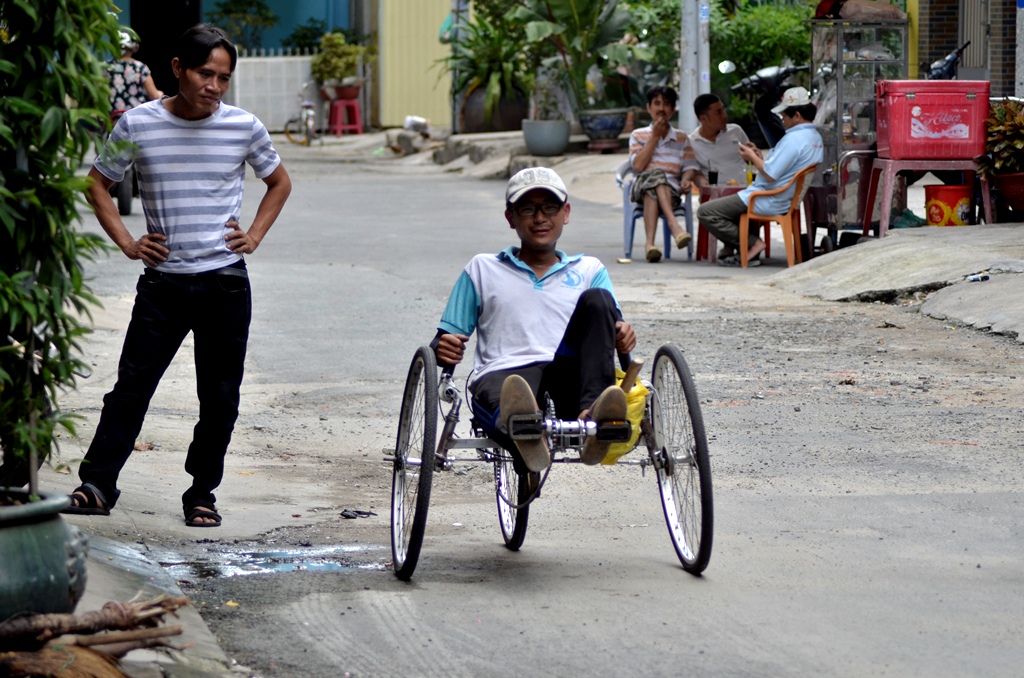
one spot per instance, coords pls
(671, 429)
(301, 129)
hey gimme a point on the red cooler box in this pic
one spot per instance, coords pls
(925, 119)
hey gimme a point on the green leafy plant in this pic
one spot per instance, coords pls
(756, 36)
(337, 59)
(1004, 141)
(589, 43)
(656, 24)
(244, 21)
(55, 100)
(306, 36)
(488, 55)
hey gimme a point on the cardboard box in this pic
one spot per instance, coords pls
(924, 119)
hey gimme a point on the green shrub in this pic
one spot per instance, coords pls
(755, 37)
(55, 100)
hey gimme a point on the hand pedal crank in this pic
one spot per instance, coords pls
(526, 426)
(614, 431)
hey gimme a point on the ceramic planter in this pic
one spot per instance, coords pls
(1011, 189)
(506, 117)
(42, 569)
(603, 124)
(546, 137)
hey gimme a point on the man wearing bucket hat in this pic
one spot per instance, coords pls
(548, 323)
(799, 147)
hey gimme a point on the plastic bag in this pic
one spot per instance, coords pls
(636, 403)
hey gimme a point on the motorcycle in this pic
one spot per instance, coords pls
(946, 67)
(771, 82)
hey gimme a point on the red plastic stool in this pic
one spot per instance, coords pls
(342, 109)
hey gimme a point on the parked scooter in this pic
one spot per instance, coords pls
(946, 67)
(771, 82)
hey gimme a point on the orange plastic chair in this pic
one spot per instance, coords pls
(790, 221)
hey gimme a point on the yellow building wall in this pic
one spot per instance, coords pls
(409, 49)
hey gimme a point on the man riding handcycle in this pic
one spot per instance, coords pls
(548, 328)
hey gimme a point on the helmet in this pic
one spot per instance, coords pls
(129, 41)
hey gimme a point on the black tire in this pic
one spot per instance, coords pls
(414, 462)
(681, 461)
(310, 130)
(294, 132)
(827, 245)
(124, 193)
(513, 497)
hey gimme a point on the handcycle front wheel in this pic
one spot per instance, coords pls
(296, 132)
(680, 456)
(414, 462)
(513, 495)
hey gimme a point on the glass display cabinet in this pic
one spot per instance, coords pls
(847, 59)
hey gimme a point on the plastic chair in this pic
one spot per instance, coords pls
(790, 221)
(632, 211)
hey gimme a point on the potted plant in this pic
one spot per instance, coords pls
(55, 99)
(589, 43)
(488, 69)
(1004, 163)
(336, 66)
(547, 133)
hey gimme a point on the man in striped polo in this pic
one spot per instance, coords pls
(190, 152)
(664, 163)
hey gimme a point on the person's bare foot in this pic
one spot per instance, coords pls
(755, 250)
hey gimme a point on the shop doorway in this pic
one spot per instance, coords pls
(159, 24)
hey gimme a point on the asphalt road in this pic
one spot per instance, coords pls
(866, 465)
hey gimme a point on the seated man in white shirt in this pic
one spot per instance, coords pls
(664, 163)
(716, 144)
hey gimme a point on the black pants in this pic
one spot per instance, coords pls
(217, 308)
(583, 367)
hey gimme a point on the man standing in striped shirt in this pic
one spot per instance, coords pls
(190, 152)
(664, 162)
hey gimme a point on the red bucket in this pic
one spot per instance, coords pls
(948, 205)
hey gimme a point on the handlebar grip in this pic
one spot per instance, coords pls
(447, 370)
(624, 360)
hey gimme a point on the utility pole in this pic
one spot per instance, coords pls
(694, 58)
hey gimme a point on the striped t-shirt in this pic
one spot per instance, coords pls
(191, 177)
(673, 154)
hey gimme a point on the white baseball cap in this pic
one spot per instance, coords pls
(794, 96)
(530, 178)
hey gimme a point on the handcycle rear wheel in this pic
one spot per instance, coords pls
(414, 462)
(513, 496)
(296, 132)
(681, 460)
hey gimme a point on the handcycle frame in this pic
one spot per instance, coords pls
(672, 430)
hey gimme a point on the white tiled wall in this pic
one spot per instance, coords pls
(270, 88)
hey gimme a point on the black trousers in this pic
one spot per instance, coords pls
(583, 367)
(217, 308)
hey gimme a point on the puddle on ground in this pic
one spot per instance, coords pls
(215, 564)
